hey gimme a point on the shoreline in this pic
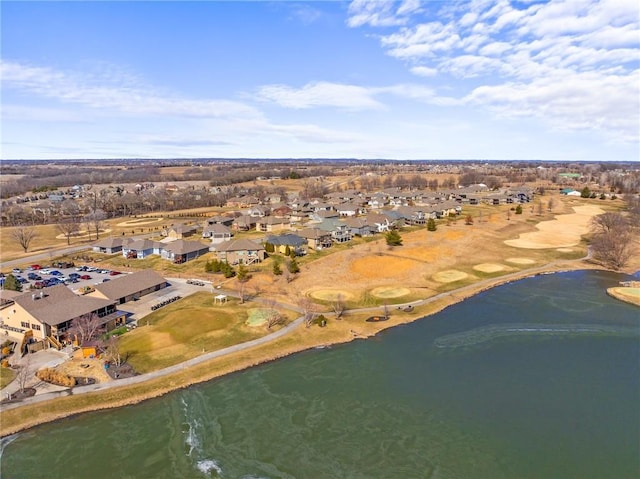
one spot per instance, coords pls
(23, 416)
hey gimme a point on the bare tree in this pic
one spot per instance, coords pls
(69, 227)
(112, 350)
(550, 204)
(309, 310)
(613, 241)
(273, 315)
(609, 222)
(25, 372)
(23, 235)
(85, 328)
(338, 306)
(94, 221)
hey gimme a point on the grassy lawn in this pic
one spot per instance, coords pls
(6, 376)
(186, 328)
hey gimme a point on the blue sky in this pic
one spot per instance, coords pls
(553, 80)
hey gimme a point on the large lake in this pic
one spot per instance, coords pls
(535, 379)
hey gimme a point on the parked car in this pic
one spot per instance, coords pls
(85, 276)
(35, 266)
(21, 279)
(45, 271)
(91, 269)
(103, 271)
(16, 270)
(34, 277)
(115, 273)
(74, 275)
(105, 280)
(55, 272)
(39, 284)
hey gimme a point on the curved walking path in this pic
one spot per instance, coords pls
(475, 287)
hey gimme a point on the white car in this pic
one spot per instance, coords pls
(45, 271)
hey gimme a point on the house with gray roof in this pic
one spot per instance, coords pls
(141, 248)
(239, 251)
(127, 287)
(217, 233)
(181, 251)
(291, 241)
(109, 245)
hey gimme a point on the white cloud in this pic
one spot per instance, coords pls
(320, 94)
(112, 94)
(573, 64)
(381, 13)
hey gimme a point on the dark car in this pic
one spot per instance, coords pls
(40, 284)
(55, 272)
(74, 275)
(85, 276)
(34, 277)
(105, 280)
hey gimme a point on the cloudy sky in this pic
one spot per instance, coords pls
(551, 80)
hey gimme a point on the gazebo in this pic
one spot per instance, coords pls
(221, 298)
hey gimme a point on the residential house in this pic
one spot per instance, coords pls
(413, 215)
(316, 238)
(243, 223)
(358, 226)
(181, 231)
(141, 248)
(258, 211)
(292, 241)
(223, 220)
(181, 251)
(340, 232)
(379, 222)
(348, 209)
(108, 245)
(217, 233)
(240, 251)
(272, 223)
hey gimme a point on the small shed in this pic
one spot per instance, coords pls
(220, 298)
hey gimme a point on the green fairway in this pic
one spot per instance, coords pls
(186, 329)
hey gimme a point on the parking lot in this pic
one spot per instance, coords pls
(76, 277)
(83, 277)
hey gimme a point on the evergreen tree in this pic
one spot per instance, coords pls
(393, 238)
(431, 224)
(269, 248)
(277, 270)
(287, 251)
(585, 193)
(519, 209)
(227, 270)
(293, 266)
(243, 273)
(11, 283)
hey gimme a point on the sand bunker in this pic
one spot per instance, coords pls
(520, 260)
(331, 295)
(489, 267)
(449, 276)
(565, 250)
(562, 232)
(140, 221)
(390, 292)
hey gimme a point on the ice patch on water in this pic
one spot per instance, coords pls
(5, 441)
(209, 466)
(494, 331)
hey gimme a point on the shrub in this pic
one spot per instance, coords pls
(56, 377)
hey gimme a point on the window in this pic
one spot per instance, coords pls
(24, 324)
(35, 327)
